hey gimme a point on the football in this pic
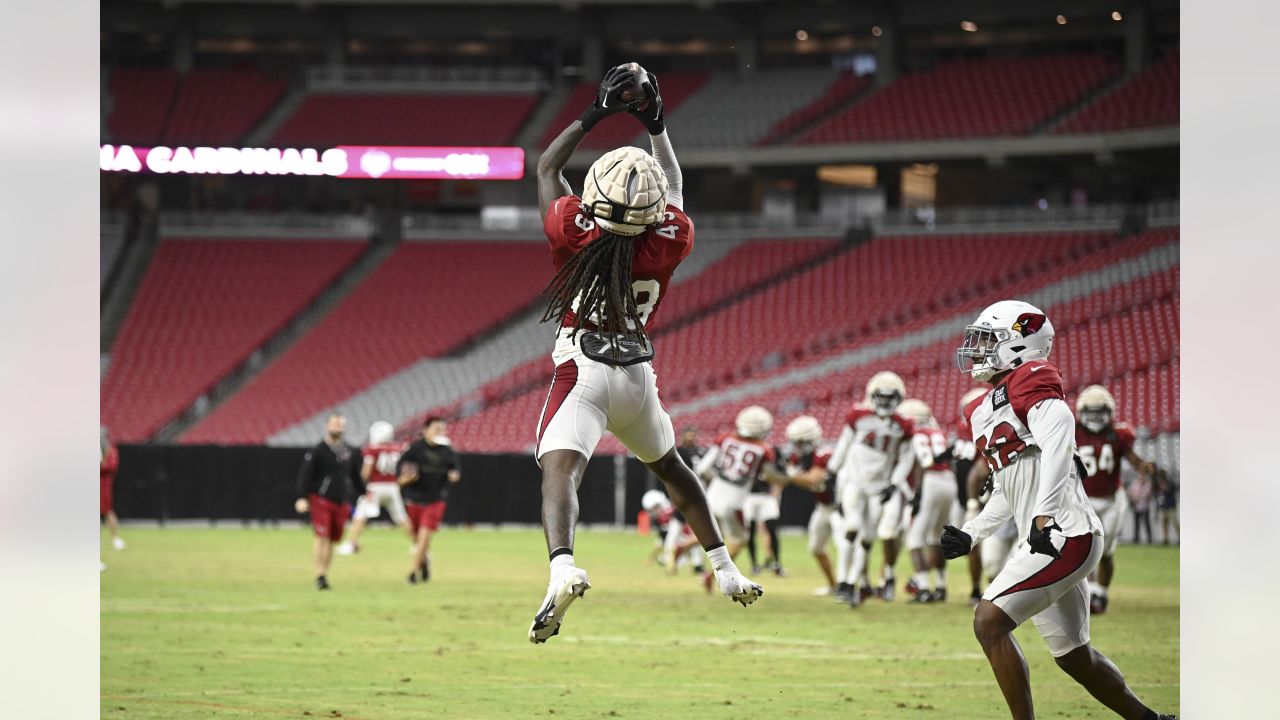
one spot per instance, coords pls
(637, 90)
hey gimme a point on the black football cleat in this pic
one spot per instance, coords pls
(940, 595)
(975, 597)
(886, 591)
(1097, 604)
(322, 583)
(842, 593)
(412, 579)
(922, 597)
(424, 570)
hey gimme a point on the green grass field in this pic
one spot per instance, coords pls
(224, 623)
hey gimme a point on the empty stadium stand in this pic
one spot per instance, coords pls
(1149, 99)
(202, 307)
(618, 130)
(732, 110)
(1118, 292)
(141, 100)
(220, 106)
(425, 300)
(968, 98)
(398, 119)
(844, 89)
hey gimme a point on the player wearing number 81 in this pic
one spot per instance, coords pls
(614, 249)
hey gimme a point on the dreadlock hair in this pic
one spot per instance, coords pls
(600, 274)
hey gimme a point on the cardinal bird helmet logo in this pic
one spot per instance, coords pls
(1028, 324)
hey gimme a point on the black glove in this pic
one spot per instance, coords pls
(887, 493)
(608, 97)
(651, 115)
(955, 542)
(915, 504)
(1040, 543)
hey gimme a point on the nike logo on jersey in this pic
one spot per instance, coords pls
(1037, 368)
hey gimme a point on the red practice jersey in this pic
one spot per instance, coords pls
(999, 416)
(1101, 453)
(659, 249)
(108, 464)
(929, 443)
(817, 458)
(384, 457)
(740, 460)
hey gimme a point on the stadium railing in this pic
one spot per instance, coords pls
(484, 80)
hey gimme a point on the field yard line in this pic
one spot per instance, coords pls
(290, 712)
(307, 690)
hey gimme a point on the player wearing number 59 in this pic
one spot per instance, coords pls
(614, 249)
(1024, 429)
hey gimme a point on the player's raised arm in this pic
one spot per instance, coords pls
(653, 119)
(551, 182)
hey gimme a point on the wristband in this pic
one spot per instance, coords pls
(590, 117)
(973, 504)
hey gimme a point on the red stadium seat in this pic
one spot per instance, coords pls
(406, 120)
(1149, 99)
(202, 307)
(219, 107)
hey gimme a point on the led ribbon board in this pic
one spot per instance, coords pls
(369, 162)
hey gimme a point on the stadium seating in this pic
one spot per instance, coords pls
(1149, 99)
(141, 99)
(383, 119)
(220, 106)
(111, 242)
(425, 300)
(202, 307)
(840, 92)
(618, 130)
(968, 98)
(1141, 312)
(733, 110)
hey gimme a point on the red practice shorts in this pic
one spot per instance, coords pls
(428, 516)
(105, 502)
(329, 518)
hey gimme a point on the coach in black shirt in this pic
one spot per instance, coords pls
(426, 471)
(327, 483)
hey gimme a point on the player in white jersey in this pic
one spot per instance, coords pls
(806, 463)
(937, 492)
(1025, 430)
(731, 465)
(872, 462)
(378, 469)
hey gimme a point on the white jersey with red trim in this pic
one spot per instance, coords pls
(1025, 431)
(873, 450)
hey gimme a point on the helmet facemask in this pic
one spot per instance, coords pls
(885, 401)
(977, 355)
(1096, 418)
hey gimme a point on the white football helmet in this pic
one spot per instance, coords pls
(1004, 336)
(626, 191)
(885, 390)
(804, 432)
(1096, 408)
(653, 501)
(754, 422)
(381, 432)
(970, 396)
(917, 412)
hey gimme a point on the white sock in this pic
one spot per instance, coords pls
(1095, 588)
(560, 566)
(720, 560)
(844, 560)
(858, 574)
(942, 578)
(922, 580)
(1102, 590)
(887, 574)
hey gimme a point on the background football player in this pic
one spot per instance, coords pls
(614, 250)
(674, 543)
(936, 496)
(732, 465)
(1025, 430)
(806, 464)
(378, 469)
(108, 465)
(873, 460)
(1102, 443)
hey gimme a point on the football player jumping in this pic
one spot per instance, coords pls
(614, 250)
(1102, 442)
(1025, 430)
(873, 460)
(937, 495)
